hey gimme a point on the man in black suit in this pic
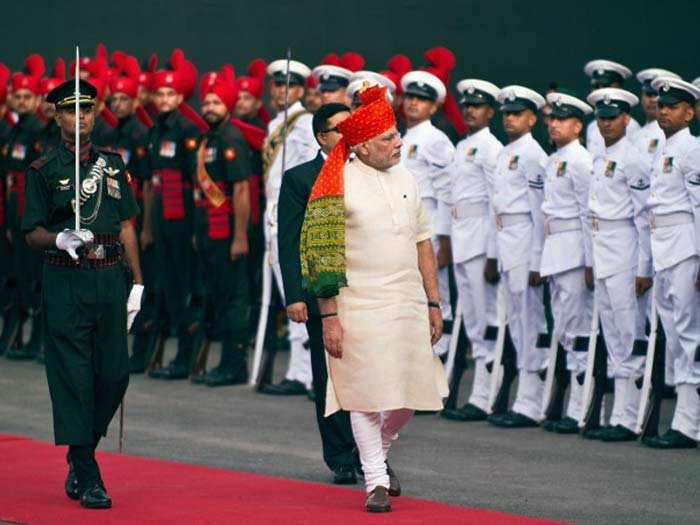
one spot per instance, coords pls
(336, 434)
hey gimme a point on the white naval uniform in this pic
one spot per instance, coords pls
(650, 139)
(427, 153)
(674, 217)
(567, 251)
(301, 147)
(621, 252)
(594, 140)
(517, 204)
(473, 240)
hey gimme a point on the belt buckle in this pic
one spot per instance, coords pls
(499, 223)
(97, 251)
(595, 225)
(453, 212)
(652, 221)
(547, 229)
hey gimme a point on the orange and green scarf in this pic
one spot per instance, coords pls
(322, 242)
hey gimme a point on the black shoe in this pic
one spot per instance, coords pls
(219, 377)
(595, 433)
(567, 425)
(512, 420)
(21, 353)
(172, 371)
(394, 485)
(344, 476)
(285, 388)
(95, 497)
(548, 424)
(618, 433)
(71, 484)
(199, 379)
(671, 439)
(468, 412)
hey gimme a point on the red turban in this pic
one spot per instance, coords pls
(252, 85)
(22, 81)
(126, 85)
(164, 78)
(227, 93)
(4, 75)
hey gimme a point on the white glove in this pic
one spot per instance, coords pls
(71, 240)
(133, 304)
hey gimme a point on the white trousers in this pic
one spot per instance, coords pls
(478, 305)
(572, 305)
(623, 317)
(299, 368)
(686, 417)
(678, 305)
(374, 433)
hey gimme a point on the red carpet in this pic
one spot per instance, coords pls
(147, 491)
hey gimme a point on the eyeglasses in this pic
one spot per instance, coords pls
(329, 130)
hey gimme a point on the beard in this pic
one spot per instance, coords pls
(213, 119)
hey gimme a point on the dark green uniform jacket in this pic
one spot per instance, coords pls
(84, 306)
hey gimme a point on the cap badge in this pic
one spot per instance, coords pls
(168, 78)
(470, 90)
(421, 84)
(511, 95)
(607, 100)
(600, 72)
(666, 86)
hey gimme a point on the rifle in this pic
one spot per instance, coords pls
(456, 362)
(504, 367)
(200, 362)
(592, 412)
(653, 381)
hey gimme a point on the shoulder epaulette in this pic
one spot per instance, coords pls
(43, 160)
(109, 151)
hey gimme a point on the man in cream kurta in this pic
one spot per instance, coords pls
(381, 311)
(384, 311)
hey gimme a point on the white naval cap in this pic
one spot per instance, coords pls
(611, 102)
(355, 86)
(424, 85)
(331, 78)
(567, 106)
(605, 72)
(518, 98)
(374, 78)
(358, 79)
(673, 90)
(645, 76)
(475, 91)
(298, 72)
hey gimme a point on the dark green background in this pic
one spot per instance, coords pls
(530, 43)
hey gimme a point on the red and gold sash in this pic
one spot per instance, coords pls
(213, 193)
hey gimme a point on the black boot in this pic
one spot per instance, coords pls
(233, 367)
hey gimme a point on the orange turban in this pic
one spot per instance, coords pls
(322, 242)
